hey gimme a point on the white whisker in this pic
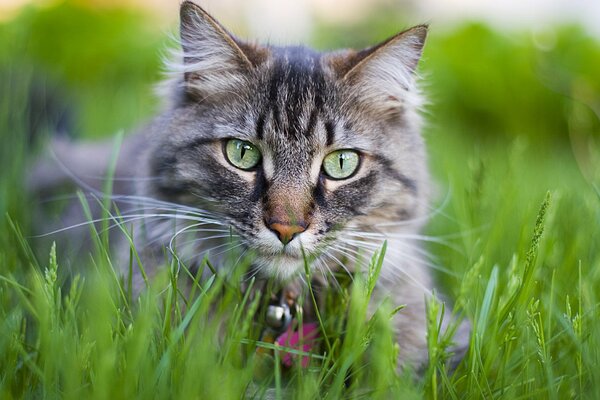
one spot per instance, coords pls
(377, 235)
(200, 239)
(392, 250)
(208, 252)
(341, 264)
(324, 270)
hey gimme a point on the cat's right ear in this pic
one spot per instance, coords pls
(214, 61)
(383, 76)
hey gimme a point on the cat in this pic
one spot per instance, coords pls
(291, 151)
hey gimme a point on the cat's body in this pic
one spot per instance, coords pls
(288, 150)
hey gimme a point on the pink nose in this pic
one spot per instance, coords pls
(286, 232)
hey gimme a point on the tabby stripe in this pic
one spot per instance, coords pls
(319, 194)
(276, 116)
(386, 163)
(276, 79)
(260, 186)
(260, 126)
(196, 142)
(330, 130)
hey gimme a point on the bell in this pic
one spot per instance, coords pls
(278, 316)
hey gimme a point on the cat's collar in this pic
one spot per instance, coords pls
(282, 310)
(285, 329)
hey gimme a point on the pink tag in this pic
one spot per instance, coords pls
(291, 339)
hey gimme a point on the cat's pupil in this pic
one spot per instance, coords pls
(341, 159)
(243, 151)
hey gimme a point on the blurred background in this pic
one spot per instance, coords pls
(509, 68)
(514, 88)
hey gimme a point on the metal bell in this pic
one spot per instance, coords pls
(278, 316)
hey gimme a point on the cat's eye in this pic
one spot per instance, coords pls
(241, 154)
(341, 164)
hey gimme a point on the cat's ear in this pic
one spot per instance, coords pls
(383, 75)
(214, 61)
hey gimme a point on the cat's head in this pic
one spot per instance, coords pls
(289, 146)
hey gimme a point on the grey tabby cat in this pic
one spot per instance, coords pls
(295, 150)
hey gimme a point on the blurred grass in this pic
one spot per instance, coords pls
(103, 62)
(513, 117)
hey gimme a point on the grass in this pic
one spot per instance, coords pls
(517, 214)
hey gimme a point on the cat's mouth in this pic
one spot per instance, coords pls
(273, 258)
(282, 266)
(284, 252)
(282, 261)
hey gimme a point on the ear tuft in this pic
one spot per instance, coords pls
(202, 36)
(383, 75)
(414, 41)
(398, 55)
(214, 62)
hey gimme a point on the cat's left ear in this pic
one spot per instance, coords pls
(214, 61)
(384, 74)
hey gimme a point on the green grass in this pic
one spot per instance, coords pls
(517, 161)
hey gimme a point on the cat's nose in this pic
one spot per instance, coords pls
(286, 232)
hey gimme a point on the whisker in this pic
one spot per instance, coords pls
(324, 270)
(357, 258)
(341, 264)
(253, 271)
(411, 236)
(128, 218)
(208, 252)
(202, 239)
(237, 261)
(116, 197)
(226, 250)
(179, 232)
(391, 245)
(400, 273)
(404, 255)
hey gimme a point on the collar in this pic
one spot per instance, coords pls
(284, 330)
(282, 310)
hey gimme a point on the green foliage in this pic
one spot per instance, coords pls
(507, 85)
(492, 86)
(513, 139)
(101, 63)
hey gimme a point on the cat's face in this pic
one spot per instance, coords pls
(289, 146)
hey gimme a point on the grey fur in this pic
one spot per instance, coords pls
(296, 105)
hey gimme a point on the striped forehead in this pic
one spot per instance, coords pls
(293, 99)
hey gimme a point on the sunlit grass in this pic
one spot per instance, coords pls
(534, 331)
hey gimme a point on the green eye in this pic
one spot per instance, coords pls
(241, 154)
(341, 164)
